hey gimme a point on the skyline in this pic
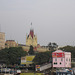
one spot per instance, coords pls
(52, 20)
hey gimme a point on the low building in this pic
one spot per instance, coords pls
(61, 59)
(10, 43)
(2, 40)
(36, 49)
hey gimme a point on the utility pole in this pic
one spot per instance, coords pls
(0, 27)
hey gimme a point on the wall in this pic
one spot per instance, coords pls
(67, 59)
(60, 62)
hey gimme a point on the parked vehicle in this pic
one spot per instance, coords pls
(65, 72)
(18, 71)
(5, 70)
(13, 71)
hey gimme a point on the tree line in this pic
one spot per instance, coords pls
(69, 49)
(13, 55)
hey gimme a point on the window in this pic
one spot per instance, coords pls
(61, 59)
(60, 63)
(66, 59)
(69, 59)
(68, 74)
(24, 64)
(57, 54)
(55, 63)
(62, 54)
(55, 59)
(30, 64)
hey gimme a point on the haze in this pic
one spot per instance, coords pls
(52, 20)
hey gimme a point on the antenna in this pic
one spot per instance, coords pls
(31, 23)
(0, 27)
(73, 43)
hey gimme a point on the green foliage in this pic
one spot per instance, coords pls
(31, 51)
(43, 57)
(69, 49)
(12, 55)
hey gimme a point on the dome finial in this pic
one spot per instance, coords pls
(31, 31)
(31, 23)
(31, 27)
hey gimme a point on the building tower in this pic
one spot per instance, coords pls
(31, 39)
(2, 40)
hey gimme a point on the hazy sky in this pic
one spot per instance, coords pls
(53, 20)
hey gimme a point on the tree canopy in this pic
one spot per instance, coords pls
(52, 46)
(31, 51)
(12, 55)
(42, 57)
(69, 49)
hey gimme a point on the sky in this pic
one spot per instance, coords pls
(52, 20)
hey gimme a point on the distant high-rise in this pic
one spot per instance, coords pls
(31, 39)
(2, 40)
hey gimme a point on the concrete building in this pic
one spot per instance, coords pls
(2, 40)
(10, 43)
(61, 59)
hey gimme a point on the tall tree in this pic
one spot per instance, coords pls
(31, 51)
(43, 57)
(52, 46)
